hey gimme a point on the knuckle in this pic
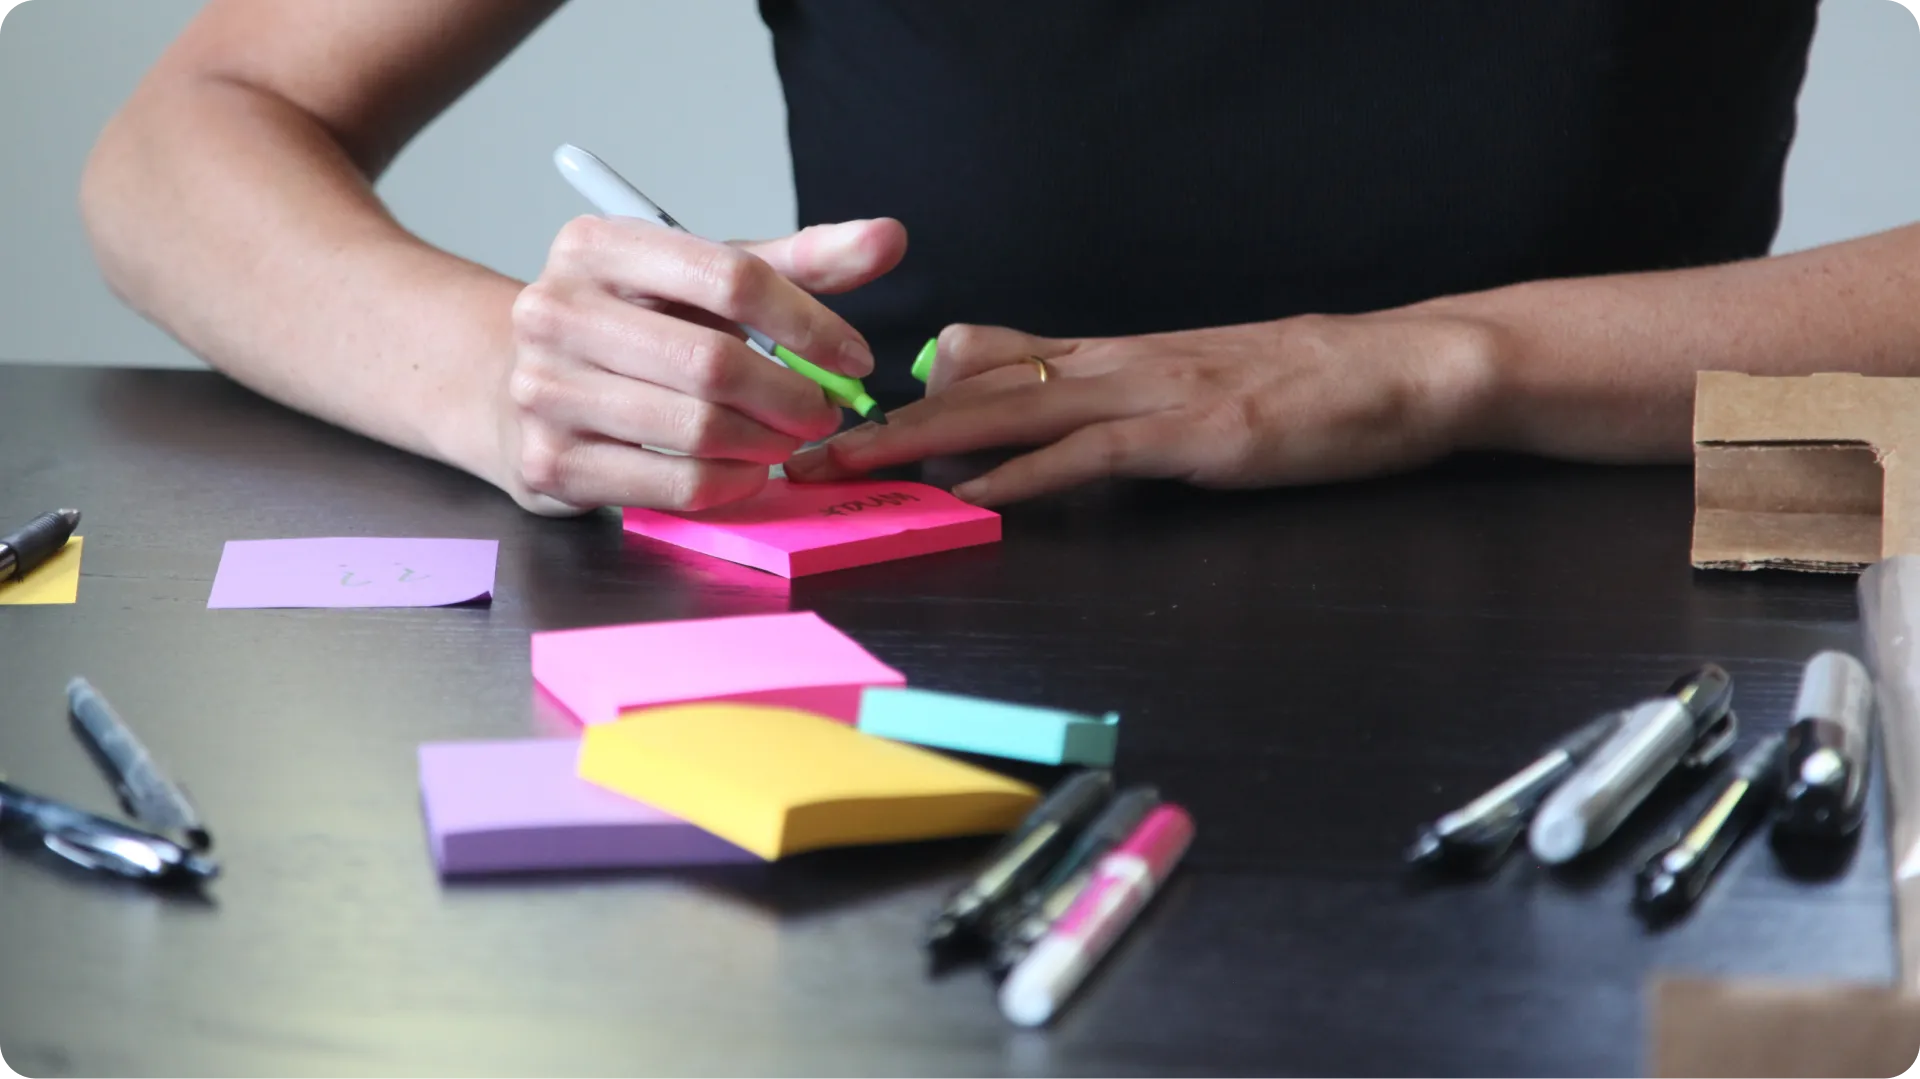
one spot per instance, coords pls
(962, 339)
(532, 386)
(578, 237)
(542, 464)
(713, 367)
(698, 488)
(705, 429)
(732, 279)
(540, 314)
(1230, 430)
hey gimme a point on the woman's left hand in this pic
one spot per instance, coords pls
(1301, 400)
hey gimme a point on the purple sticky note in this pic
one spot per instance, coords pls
(354, 572)
(516, 806)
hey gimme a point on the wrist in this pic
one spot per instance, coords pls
(1468, 370)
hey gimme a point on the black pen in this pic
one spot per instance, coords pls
(1479, 833)
(1828, 751)
(1016, 932)
(1672, 880)
(146, 792)
(97, 843)
(1020, 859)
(24, 551)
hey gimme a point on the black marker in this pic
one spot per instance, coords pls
(1828, 750)
(1020, 927)
(146, 792)
(1479, 833)
(100, 844)
(38, 540)
(1672, 880)
(1021, 858)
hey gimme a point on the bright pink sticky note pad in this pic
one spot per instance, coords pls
(354, 571)
(514, 806)
(793, 660)
(794, 529)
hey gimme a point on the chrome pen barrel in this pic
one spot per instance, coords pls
(1652, 741)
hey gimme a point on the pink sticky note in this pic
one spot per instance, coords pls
(794, 529)
(502, 807)
(354, 572)
(791, 660)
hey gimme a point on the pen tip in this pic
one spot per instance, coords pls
(1426, 849)
(71, 518)
(874, 415)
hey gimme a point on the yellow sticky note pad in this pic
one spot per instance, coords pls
(778, 781)
(56, 581)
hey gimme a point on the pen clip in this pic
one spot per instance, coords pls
(112, 854)
(1712, 743)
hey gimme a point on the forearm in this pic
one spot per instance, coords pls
(1603, 368)
(240, 225)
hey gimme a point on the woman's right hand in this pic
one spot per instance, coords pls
(628, 340)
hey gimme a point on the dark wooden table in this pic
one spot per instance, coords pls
(1312, 672)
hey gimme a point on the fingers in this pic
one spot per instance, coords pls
(629, 257)
(835, 258)
(601, 473)
(967, 351)
(562, 329)
(601, 405)
(1029, 415)
(1139, 447)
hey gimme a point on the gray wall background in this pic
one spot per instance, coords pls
(682, 95)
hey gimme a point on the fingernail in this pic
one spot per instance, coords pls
(856, 358)
(806, 462)
(970, 491)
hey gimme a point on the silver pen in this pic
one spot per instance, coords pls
(1479, 833)
(1829, 750)
(1692, 726)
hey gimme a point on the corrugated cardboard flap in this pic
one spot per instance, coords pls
(1803, 473)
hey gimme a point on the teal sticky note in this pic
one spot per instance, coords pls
(992, 728)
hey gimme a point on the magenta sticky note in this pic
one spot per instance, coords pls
(795, 529)
(354, 572)
(792, 660)
(517, 806)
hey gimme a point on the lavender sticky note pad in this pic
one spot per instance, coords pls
(517, 806)
(354, 572)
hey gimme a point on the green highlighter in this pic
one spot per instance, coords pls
(612, 195)
(845, 391)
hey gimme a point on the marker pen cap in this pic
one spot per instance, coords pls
(1160, 840)
(923, 363)
(1043, 980)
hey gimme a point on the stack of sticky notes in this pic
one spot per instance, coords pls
(794, 660)
(990, 728)
(794, 529)
(777, 781)
(496, 807)
(707, 741)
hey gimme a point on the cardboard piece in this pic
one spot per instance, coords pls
(779, 781)
(353, 571)
(517, 806)
(793, 660)
(1890, 621)
(1806, 473)
(795, 529)
(992, 728)
(57, 580)
(1704, 1027)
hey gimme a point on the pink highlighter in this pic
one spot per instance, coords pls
(1121, 885)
